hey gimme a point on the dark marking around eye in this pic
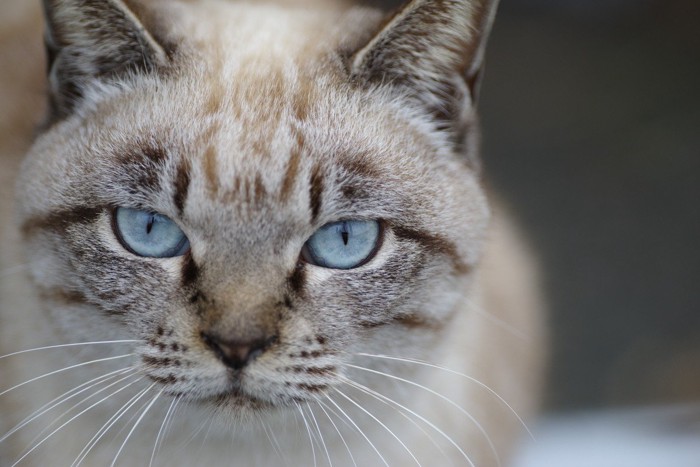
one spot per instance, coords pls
(190, 271)
(65, 297)
(182, 185)
(434, 244)
(316, 192)
(297, 280)
(61, 220)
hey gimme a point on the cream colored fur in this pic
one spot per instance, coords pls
(243, 60)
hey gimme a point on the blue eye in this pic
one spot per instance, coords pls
(343, 245)
(149, 234)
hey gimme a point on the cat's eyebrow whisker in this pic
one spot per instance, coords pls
(380, 423)
(413, 422)
(358, 429)
(133, 428)
(342, 438)
(156, 444)
(55, 372)
(107, 426)
(320, 434)
(456, 373)
(77, 344)
(47, 437)
(308, 430)
(65, 397)
(441, 396)
(420, 417)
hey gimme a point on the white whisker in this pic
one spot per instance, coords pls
(63, 398)
(69, 421)
(169, 424)
(55, 372)
(143, 414)
(382, 424)
(273, 441)
(161, 430)
(107, 426)
(62, 346)
(320, 434)
(342, 438)
(441, 396)
(78, 404)
(412, 421)
(311, 440)
(420, 417)
(456, 373)
(358, 429)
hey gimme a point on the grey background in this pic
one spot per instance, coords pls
(591, 115)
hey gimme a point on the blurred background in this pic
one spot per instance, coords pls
(591, 116)
(591, 113)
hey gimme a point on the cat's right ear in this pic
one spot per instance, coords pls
(91, 41)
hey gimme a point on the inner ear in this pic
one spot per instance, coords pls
(94, 40)
(431, 51)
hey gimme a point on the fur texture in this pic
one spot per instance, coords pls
(252, 125)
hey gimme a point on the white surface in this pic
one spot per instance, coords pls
(660, 437)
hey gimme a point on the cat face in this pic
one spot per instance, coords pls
(314, 199)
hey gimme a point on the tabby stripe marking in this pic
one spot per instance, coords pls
(62, 220)
(435, 244)
(190, 270)
(65, 297)
(290, 174)
(182, 185)
(297, 280)
(316, 192)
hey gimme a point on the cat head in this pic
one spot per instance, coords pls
(254, 193)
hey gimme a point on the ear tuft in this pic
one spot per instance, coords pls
(93, 40)
(433, 51)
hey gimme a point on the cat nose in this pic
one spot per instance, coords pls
(235, 353)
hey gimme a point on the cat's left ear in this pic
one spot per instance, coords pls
(90, 41)
(432, 50)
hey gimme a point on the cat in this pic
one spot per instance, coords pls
(255, 233)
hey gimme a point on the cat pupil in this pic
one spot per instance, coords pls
(344, 233)
(149, 226)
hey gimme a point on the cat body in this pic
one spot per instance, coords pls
(251, 126)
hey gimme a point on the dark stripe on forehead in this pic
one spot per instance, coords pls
(290, 174)
(434, 244)
(61, 220)
(144, 165)
(182, 185)
(260, 190)
(316, 192)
